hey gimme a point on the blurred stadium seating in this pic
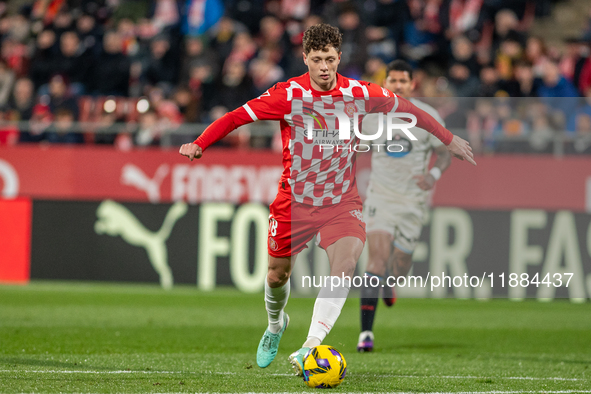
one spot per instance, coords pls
(156, 73)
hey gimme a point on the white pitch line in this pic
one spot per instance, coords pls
(291, 374)
(453, 377)
(118, 372)
(435, 392)
(474, 377)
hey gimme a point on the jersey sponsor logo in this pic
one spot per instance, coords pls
(357, 214)
(273, 244)
(318, 121)
(404, 147)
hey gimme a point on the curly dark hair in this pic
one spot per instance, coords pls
(318, 37)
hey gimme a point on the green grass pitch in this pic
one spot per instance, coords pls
(74, 337)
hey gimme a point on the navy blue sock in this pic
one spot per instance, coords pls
(369, 303)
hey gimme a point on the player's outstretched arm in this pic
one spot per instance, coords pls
(269, 106)
(457, 146)
(191, 150)
(461, 149)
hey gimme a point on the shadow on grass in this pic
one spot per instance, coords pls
(74, 365)
(542, 359)
(424, 346)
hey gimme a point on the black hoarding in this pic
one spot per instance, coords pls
(483, 254)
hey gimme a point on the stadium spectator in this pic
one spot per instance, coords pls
(585, 76)
(111, 71)
(40, 120)
(168, 112)
(510, 51)
(586, 36)
(234, 87)
(9, 133)
(442, 36)
(527, 83)
(107, 132)
(481, 124)
(161, 67)
(265, 71)
(127, 31)
(6, 82)
(568, 62)
(201, 15)
(461, 17)
(354, 49)
(90, 34)
(490, 85)
(555, 84)
(188, 104)
(462, 82)
(22, 100)
(537, 54)
(417, 41)
(149, 131)
(62, 130)
(201, 81)
(196, 54)
(60, 96)
(375, 71)
(42, 61)
(462, 51)
(541, 136)
(581, 124)
(165, 15)
(244, 48)
(222, 36)
(506, 21)
(72, 62)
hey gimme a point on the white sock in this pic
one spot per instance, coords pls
(326, 312)
(275, 300)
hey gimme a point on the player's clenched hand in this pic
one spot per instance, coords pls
(192, 151)
(461, 149)
(425, 182)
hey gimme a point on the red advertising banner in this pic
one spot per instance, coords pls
(155, 175)
(15, 240)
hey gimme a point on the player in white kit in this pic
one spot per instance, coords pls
(397, 198)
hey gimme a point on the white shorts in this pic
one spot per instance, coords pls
(403, 221)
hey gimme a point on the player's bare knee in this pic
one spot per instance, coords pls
(344, 267)
(277, 277)
(376, 266)
(403, 262)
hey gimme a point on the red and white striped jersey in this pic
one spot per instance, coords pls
(313, 175)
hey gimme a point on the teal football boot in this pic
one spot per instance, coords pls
(269, 344)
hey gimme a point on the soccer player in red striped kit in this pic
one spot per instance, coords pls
(317, 194)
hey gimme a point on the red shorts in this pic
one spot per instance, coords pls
(292, 225)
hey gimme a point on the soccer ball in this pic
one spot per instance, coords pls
(324, 367)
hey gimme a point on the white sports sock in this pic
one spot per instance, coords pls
(326, 312)
(275, 300)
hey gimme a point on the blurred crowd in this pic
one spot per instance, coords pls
(74, 71)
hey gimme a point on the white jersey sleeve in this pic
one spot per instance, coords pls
(397, 161)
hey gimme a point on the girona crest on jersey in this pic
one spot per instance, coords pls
(350, 109)
(273, 244)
